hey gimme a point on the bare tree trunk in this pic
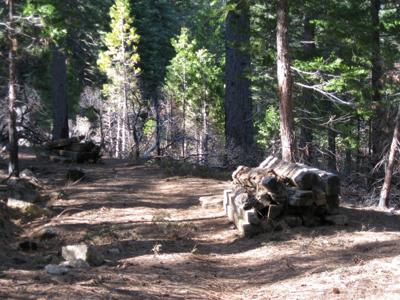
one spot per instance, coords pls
(59, 94)
(158, 124)
(118, 137)
(13, 165)
(285, 83)
(238, 106)
(385, 192)
(205, 133)
(377, 137)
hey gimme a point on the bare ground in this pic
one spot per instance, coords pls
(171, 248)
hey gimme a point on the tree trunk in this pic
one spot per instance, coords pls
(59, 96)
(285, 83)
(13, 166)
(205, 133)
(238, 107)
(158, 124)
(306, 137)
(377, 138)
(385, 192)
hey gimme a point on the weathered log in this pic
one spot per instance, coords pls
(303, 176)
(296, 174)
(262, 184)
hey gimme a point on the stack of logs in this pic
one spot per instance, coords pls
(71, 150)
(278, 194)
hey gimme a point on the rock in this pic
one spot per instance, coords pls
(56, 270)
(75, 174)
(211, 201)
(19, 204)
(84, 252)
(22, 189)
(77, 264)
(338, 220)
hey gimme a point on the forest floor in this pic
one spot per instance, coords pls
(169, 247)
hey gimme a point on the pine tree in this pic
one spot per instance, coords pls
(120, 63)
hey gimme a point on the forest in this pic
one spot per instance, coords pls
(121, 122)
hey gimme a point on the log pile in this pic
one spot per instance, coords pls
(278, 194)
(71, 150)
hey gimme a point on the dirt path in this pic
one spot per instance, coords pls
(160, 244)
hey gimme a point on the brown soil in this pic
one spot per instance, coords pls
(171, 248)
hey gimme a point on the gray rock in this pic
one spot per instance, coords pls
(78, 264)
(23, 190)
(84, 252)
(19, 204)
(56, 270)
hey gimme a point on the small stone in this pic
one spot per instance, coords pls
(19, 204)
(56, 270)
(338, 220)
(78, 264)
(86, 253)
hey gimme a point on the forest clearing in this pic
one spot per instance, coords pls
(208, 149)
(159, 243)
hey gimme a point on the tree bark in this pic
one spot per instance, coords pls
(377, 137)
(238, 106)
(13, 165)
(385, 192)
(285, 83)
(59, 94)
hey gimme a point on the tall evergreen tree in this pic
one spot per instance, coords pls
(238, 106)
(120, 64)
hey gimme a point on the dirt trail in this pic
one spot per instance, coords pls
(171, 248)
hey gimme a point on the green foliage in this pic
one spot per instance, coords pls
(149, 126)
(120, 59)
(268, 128)
(194, 76)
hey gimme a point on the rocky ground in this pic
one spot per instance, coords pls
(159, 243)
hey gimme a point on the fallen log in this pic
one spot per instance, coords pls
(303, 176)
(263, 185)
